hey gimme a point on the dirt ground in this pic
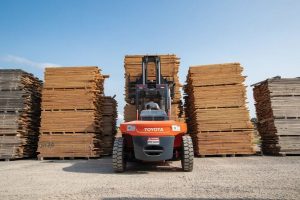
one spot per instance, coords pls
(252, 177)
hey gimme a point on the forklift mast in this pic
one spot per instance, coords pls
(158, 91)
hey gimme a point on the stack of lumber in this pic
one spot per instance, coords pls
(20, 97)
(109, 117)
(278, 113)
(215, 106)
(71, 119)
(129, 113)
(169, 70)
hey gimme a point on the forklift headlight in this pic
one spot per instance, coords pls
(130, 127)
(176, 128)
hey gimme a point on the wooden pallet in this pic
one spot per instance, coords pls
(73, 157)
(11, 159)
(223, 155)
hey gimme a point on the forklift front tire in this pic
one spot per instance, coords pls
(118, 157)
(187, 154)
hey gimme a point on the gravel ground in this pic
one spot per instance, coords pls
(213, 178)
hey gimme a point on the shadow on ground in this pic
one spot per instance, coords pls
(158, 198)
(104, 166)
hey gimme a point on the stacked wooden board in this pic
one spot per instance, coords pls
(215, 106)
(71, 119)
(169, 70)
(20, 96)
(109, 117)
(278, 113)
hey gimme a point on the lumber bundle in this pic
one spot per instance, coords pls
(109, 115)
(278, 114)
(67, 145)
(20, 97)
(215, 106)
(71, 119)
(130, 113)
(169, 70)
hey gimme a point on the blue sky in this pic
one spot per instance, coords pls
(264, 36)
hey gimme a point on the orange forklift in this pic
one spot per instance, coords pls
(153, 136)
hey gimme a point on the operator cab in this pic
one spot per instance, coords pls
(153, 113)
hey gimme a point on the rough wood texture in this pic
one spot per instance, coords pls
(72, 110)
(109, 115)
(217, 143)
(278, 113)
(68, 145)
(73, 77)
(169, 70)
(215, 106)
(129, 113)
(63, 99)
(20, 96)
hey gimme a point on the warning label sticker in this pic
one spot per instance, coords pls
(153, 141)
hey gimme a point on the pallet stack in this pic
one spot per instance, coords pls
(20, 96)
(278, 113)
(109, 117)
(215, 105)
(169, 70)
(71, 120)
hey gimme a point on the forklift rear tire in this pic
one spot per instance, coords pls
(187, 157)
(118, 157)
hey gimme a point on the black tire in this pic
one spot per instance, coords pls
(187, 155)
(118, 157)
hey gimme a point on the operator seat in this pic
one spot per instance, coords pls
(152, 106)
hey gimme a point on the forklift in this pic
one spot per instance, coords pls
(153, 136)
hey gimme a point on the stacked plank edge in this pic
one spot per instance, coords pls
(109, 117)
(169, 70)
(71, 119)
(215, 105)
(277, 103)
(20, 96)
